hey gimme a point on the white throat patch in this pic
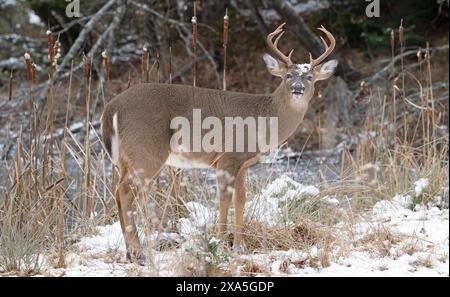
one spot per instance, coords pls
(297, 98)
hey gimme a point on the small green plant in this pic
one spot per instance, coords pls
(210, 253)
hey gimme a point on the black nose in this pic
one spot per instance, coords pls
(297, 89)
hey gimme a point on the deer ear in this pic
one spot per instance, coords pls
(274, 66)
(326, 70)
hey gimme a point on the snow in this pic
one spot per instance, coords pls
(385, 209)
(420, 185)
(394, 238)
(404, 201)
(34, 19)
(331, 201)
(4, 3)
(200, 217)
(269, 207)
(422, 250)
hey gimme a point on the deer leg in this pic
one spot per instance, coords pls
(127, 212)
(119, 207)
(225, 183)
(239, 204)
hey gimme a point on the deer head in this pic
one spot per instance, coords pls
(299, 79)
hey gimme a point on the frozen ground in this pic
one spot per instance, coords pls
(393, 239)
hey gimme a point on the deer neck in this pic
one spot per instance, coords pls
(290, 112)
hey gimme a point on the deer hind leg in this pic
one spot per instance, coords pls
(133, 180)
(125, 197)
(239, 204)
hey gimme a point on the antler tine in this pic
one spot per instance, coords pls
(274, 45)
(328, 48)
(278, 38)
(290, 54)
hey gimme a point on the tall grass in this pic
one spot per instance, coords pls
(58, 184)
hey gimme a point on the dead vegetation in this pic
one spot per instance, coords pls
(57, 182)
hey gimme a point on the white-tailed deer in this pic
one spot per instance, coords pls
(137, 134)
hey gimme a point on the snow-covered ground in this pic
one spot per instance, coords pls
(393, 239)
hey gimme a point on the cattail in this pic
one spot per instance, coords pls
(157, 67)
(419, 56)
(362, 87)
(10, 86)
(225, 43)
(194, 26)
(106, 63)
(33, 74)
(85, 66)
(170, 61)
(225, 28)
(392, 41)
(56, 53)
(395, 84)
(28, 62)
(427, 53)
(194, 42)
(401, 33)
(194, 31)
(144, 58)
(50, 46)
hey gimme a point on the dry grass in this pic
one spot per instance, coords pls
(45, 203)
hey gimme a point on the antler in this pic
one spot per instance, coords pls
(274, 45)
(328, 49)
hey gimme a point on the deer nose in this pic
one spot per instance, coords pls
(298, 88)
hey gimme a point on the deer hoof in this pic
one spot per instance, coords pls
(136, 256)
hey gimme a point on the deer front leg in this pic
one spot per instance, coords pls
(225, 182)
(125, 198)
(239, 204)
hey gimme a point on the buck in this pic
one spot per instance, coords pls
(136, 132)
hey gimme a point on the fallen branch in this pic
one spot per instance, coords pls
(413, 52)
(75, 48)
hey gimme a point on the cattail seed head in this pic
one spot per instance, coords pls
(33, 74)
(395, 84)
(51, 53)
(362, 87)
(144, 58)
(56, 53)
(419, 55)
(28, 62)
(427, 53)
(106, 63)
(225, 28)
(194, 31)
(401, 33)
(85, 66)
(392, 40)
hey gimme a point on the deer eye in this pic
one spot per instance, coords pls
(309, 77)
(288, 75)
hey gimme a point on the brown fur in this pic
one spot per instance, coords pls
(144, 113)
